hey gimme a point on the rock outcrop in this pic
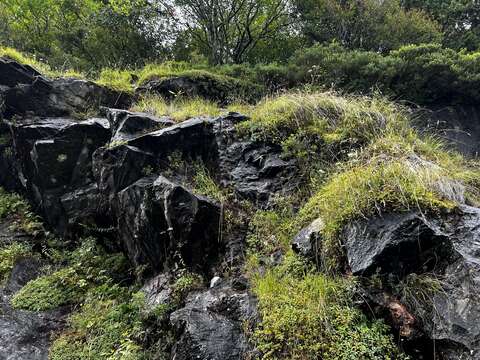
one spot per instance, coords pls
(445, 249)
(210, 326)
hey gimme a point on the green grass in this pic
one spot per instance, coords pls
(40, 66)
(179, 110)
(313, 317)
(118, 80)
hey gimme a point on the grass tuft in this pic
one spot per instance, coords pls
(179, 110)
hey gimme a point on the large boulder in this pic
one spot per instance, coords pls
(211, 325)
(126, 125)
(162, 224)
(12, 73)
(54, 163)
(24, 92)
(444, 248)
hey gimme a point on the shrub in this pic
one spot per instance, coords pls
(107, 326)
(314, 318)
(423, 74)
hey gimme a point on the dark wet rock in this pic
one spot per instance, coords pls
(13, 73)
(118, 167)
(446, 248)
(8, 178)
(457, 125)
(256, 170)
(160, 223)
(126, 125)
(54, 163)
(193, 139)
(211, 324)
(308, 242)
(26, 93)
(24, 334)
(216, 88)
(394, 243)
(158, 291)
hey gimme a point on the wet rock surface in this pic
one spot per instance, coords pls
(444, 248)
(159, 220)
(24, 335)
(210, 326)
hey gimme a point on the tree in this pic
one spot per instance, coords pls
(365, 24)
(87, 34)
(227, 31)
(460, 20)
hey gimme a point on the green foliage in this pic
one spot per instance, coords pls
(205, 184)
(119, 80)
(184, 284)
(9, 255)
(17, 210)
(88, 266)
(424, 74)
(107, 326)
(369, 24)
(312, 317)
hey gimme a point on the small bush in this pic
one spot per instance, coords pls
(108, 326)
(313, 318)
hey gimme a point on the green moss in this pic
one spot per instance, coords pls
(107, 326)
(184, 284)
(87, 267)
(14, 208)
(63, 287)
(9, 255)
(313, 317)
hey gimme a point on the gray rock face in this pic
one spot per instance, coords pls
(458, 125)
(54, 162)
(256, 170)
(447, 248)
(126, 125)
(210, 326)
(161, 222)
(308, 242)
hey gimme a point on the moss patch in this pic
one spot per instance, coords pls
(313, 317)
(9, 255)
(87, 267)
(107, 326)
